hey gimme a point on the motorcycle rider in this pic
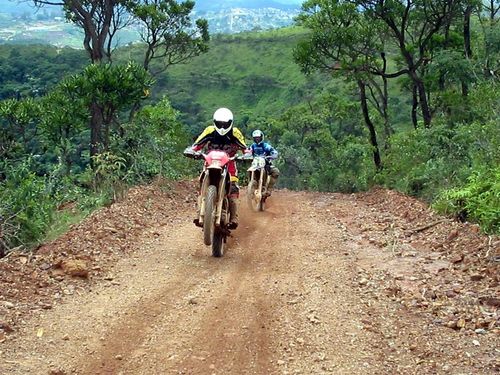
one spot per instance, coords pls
(222, 135)
(261, 148)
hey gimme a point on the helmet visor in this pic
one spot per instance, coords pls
(223, 124)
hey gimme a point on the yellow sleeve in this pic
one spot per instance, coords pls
(205, 134)
(239, 138)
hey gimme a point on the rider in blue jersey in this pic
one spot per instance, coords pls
(261, 148)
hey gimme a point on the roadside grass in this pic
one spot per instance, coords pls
(63, 219)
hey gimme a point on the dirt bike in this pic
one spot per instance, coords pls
(258, 182)
(213, 203)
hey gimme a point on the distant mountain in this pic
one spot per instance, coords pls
(16, 7)
(210, 5)
(24, 23)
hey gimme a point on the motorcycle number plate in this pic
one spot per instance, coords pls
(259, 163)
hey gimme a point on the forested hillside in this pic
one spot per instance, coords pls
(357, 95)
(30, 71)
(252, 73)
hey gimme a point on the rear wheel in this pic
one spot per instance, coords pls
(209, 218)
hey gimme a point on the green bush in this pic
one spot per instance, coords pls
(424, 162)
(152, 144)
(478, 200)
(26, 208)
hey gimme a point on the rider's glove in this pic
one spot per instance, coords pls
(272, 156)
(247, 155)
(190, 153)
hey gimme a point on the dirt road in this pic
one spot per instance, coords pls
(300, 290)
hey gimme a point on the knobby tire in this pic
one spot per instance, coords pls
(218, 244)
(209, 218)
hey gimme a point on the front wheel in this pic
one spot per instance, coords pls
(253, 201)
(219, 238)
(262, 204)
(209, 215)
(218, 244)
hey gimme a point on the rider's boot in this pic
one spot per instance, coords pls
(196, 220)
(270, 186)
(233, 213)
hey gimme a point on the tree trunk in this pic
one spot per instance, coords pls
(96, 124)
(135, 108)
(422, 97)
(442, 80)
(414, 106)
(385, 104)
(467, 43)
(369, 124)
(467, 40)
(66, 151)
(417, 81)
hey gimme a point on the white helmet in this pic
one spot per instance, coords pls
(257, 136)
(223, 120)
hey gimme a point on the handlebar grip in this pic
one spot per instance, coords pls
(193, 155)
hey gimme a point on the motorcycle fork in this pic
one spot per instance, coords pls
(261, 181)
(251, 177)
(201, 198)
(220, 198)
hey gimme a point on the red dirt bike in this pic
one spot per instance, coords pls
(258, 181)
(213, 204)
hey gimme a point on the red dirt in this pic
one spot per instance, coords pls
(318, 283)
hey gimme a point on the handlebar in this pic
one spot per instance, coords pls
(189, 153)
(251, 157)
(244, 157)
(197, 155)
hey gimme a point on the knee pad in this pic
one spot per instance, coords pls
(234, 192)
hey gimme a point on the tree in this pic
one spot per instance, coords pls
(168, 32)
(111, 89)
(411, 24)
(488, 15)
(343, 42)
(153, 142)
(18, 120)
(167, 29)
(169, 35)
(63, 118)
(490, 9)
(467, 10)
(324, 149)
(99, 20)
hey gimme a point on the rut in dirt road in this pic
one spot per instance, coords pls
(286, 298)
